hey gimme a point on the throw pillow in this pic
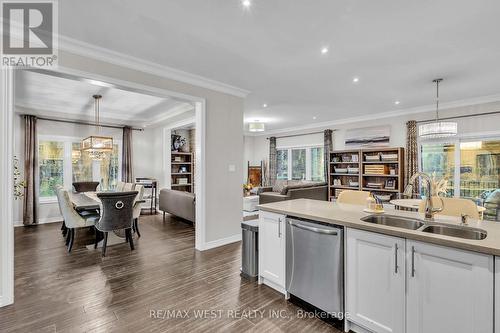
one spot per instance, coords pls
(279, 185)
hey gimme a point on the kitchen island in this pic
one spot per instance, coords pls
(396, 279)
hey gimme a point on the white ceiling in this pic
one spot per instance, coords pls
(273, 49)
(57, 97)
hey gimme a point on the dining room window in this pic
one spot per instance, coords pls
(51, 167)
(61, 162)
(300, 163)
(81, 164)
(105, 171)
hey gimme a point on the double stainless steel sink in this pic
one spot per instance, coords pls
(433, 228)
(394, 221)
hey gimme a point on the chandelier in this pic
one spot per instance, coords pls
(437, 128)
(96, 145)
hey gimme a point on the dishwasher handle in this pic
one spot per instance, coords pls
(312, 229)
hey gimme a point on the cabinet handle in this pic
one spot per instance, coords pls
(396, 258)
(412, 261)
(279, 227)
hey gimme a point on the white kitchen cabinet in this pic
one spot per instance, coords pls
(375, 282)
(272, 250)
(449, 290)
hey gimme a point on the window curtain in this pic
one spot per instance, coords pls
(328, 141)
(127, 175)
(272, 161)
(411, 156)
(31, 172)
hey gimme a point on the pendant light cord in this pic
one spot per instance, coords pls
(437, 97)
(97, 99)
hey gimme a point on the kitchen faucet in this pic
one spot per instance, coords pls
(429, 207)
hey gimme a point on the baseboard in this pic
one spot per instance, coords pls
(4, 301)
(221, 242)
(41, 221)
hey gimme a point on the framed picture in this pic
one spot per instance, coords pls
(378, 136)
(390, 184)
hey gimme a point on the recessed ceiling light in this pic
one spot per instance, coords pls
(397, 102)
(324, 50)
(246, 3)
(355, 79)
(264, 105)
(314, 118)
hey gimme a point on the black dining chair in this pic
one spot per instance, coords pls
(85, 186)
(116, 214)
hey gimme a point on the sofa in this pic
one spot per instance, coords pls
(288, 190)
(178, 203)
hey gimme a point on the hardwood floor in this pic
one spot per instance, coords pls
(137, 291)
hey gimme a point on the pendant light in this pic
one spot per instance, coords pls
(437, 129)
(96, 145)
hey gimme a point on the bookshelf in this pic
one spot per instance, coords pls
(342, 173)
(181, 172)
(380, 171)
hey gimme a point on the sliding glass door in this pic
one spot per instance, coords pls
(479, 167)
(471, 166)
(439, 159)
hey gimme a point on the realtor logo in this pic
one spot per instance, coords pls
(28, 34)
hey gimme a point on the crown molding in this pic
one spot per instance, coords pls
(383, 115)
(110, 118)
(175, 111)
(92, 51)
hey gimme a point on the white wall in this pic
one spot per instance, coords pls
(467, 127)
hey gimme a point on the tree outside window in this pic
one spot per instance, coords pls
(51, 162)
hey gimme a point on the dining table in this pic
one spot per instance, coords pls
(89, 201)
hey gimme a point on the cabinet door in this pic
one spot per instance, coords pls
(272, 249)
(375, 281)
(449, 290)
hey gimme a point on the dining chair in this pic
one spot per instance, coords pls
(138, 208)
(128, 187)
(119, 186)
(116, 214)
(85, 186)
(453, 207)
(353, 197)
(72, 219)
(58, 189)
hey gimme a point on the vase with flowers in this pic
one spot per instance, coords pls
(247, 188)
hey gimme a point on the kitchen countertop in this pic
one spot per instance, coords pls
(348, 215)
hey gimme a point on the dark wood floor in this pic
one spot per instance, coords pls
(83, 292)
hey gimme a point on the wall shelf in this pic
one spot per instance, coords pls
(181, 160)
(357, 158)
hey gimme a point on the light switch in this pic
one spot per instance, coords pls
(232, 168)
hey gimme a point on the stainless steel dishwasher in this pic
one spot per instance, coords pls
(315, 264)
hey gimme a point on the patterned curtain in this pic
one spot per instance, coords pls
(328, 140)
(273, 162)
(30, 204)
(411, 156)
(127, 175)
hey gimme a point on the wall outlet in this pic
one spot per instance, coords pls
(232, 168)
